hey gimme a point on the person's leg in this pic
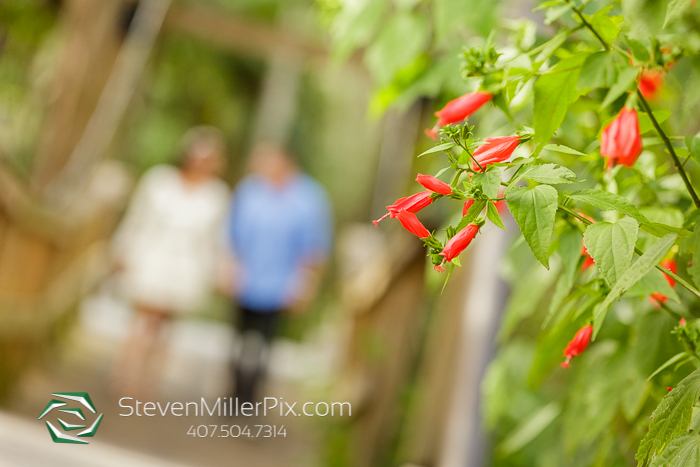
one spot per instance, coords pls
(137, 355)
(256, 332)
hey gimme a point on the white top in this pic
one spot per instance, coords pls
(169, 241)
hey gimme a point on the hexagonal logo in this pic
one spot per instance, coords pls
(74, 415)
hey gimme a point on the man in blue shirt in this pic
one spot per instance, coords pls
(279, 231)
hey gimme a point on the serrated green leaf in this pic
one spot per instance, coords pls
(551, 174)
(439, 148)
(635, 272)
(626, 79)
(681, 452)
(610, 202)
(490, 181)
(675, 10)
(670, 419)
(563, 149)
(554, 92)
(599, 71)
(534, 209)
(492, 214)
(611, 246)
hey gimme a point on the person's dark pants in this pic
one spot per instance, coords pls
(256, 330)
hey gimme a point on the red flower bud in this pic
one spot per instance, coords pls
(467, 204)
(673, 267)
(413, 203)
(459, 242)
(588, 262)
(620, 141)
(496, 149)
(649, 83)
(682, 321)
(459, 109)
(410, 222)
(578, 344)
(434, 185)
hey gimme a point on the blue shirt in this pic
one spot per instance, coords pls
(274, 232)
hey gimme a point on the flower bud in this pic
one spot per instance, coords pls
(620, 141)
(433, 184)
(578, 344)
(410, 222)
(496, 149)
(459, 109)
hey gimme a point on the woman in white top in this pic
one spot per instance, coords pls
(168, 250)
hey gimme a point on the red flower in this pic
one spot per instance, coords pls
(410, 222)
(467, 204)
(649, 83)
(413, 203)
(673, 267)
(588, 262)
(458, 109)
(620, 141)
(578, 344)
(459, 242)
(682, 321)
(434, 185)
(495, 150)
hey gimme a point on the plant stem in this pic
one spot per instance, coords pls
(639, 252)
(647, 109)
(671, 150)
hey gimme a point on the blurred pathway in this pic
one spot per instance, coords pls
(197, 367)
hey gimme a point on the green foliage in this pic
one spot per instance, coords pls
(611, 246)
(534, 209)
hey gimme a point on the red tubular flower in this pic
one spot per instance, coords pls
(588, 262)
(673, 267)
(496, 149)
(458, 109)
(413, 203)
(467, 204)
(620, 141)
(434, 185)
(650, 82)
(410, 222)
(459, 242)
(577, 345)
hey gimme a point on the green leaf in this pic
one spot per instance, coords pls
(606, 26)
(611, 246)
(534, 209)
(654, 281)
(530, 428)
(563, 149)
(681, 452)
(473, 212)
(546, 50)
(570, 253)
(668, 363)
(490, 181)
(675, 10)
(694, 268)
(645, 124)
(599, 71)
(639, 52)
(492, 214)
(670, 419)
(439, 148)
(551, 174)
(664, 229)
(610, 202)
(692, 143)
(626, 79)
(635, 272)
(554, 91)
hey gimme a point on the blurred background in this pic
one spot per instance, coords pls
(93, 94)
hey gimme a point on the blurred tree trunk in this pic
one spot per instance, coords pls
(93, 33)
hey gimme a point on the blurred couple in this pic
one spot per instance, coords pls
(184, 234)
